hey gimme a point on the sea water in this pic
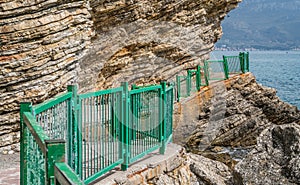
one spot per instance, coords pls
(276, 69)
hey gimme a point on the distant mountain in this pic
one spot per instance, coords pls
(263, 24)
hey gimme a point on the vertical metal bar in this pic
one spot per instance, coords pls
(120, 124)
(162, 121)
(247, 62)
(225, 64)
(84, 128)
(138, 142)
(110, 154)
(105, 131)
(55, 153)
(80, 139)
(24, 107)
(90, 122)
(133, 120)
(96, 104)
(102, 131)
(242, 61)
(125, 113)
(171, 114)
(94, 132)
(198, 78)
(113, 128)
(188, 83)
(75, 143)
(178, 87)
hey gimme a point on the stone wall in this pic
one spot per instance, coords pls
(47, 44)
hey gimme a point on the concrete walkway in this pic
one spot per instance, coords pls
(153, 164)
(10, 169)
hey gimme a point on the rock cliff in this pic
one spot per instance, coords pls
(42, 43)
(47, 44)
(247, 128)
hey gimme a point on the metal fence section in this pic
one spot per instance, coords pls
(38, 151)
(202, 77)
(216, 69)
(182, 87)
(92, 133)
(79, 137)
(144, 121)
(54, 116)
(193, 84)
(33, 165)
(100, 115)
(245, 59)
(234, 63)
(168, 113)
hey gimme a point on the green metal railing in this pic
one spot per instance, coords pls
(43, 133)
(83, 136)
(168, 114)
(216, 69)
(75, 138)
(182, 86)
(212, 70)
(144, 121)
(99, 120)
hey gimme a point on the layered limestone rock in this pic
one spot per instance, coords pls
(276, 158)
(209, 171)
(47, 44)
(239, 110)
(246, 127)
(148, 41)
(41, 45)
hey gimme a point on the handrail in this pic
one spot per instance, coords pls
(36, 130)
(212, 71)
(99, 93)
(64, 175)
(50, 103)
(97, 131)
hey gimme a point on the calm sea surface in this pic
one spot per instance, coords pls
(277, 69)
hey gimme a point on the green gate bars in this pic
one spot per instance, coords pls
(75, 138)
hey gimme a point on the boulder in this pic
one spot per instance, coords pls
(276, 158)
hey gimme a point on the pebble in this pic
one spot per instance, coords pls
(11, 152)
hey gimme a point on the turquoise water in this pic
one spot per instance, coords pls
(277, 69)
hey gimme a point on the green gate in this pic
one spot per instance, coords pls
(76, 138)
(100, 128)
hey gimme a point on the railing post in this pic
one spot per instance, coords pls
(178, 88)
(134, 86)
(198, 77)
(24, 107)
(242, 61)
(162, 122)
(125, 122)
(247, 61)
(225, 64)
(55, 153)
(188, 81)
(74, 145)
